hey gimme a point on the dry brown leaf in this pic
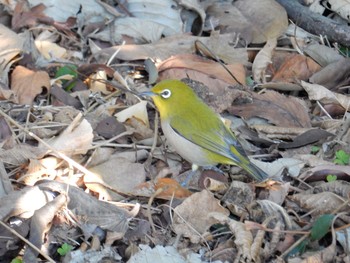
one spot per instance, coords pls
(324, 95)
(170, 189)
(276, 108)
(192, 217)
(188, 65)
(263, 59)
(321, 171)
(25, 17)
(238, 197)
(27, 84)
(296, 67)
(321, 203)
(338, 187)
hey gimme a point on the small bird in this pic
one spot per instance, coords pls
(195, 131)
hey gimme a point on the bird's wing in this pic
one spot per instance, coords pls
(219, 140)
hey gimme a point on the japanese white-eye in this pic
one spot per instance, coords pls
(195, 131)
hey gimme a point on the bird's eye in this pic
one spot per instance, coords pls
(166, 93)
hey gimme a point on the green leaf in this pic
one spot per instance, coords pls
(67, 70)
(321, 227)
(331, 178)
(315, 149)
(342, 157)
(64, 249)
(16, 260)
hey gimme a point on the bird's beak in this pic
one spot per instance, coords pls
(147, 94)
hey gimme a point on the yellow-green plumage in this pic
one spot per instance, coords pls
(196, 131)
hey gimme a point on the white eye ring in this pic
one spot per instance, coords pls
(166, 93)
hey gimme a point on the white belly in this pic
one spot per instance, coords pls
(188, 150)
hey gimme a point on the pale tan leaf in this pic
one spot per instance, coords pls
(324, 95)
(138, 111)
(50, 50)
(263, 59)
(118, 173)
(75, 139)
(267, 18)
(192, 217)
(27, 84)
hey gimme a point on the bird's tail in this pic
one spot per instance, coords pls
(254, 171)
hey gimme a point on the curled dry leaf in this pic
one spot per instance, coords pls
(192, 217)
(324, 95)
(278, 212)
(238, 197)
(339, 187)
(41, 222)
(321, 171)
(27, 84)
(243, 237)
(262, 60)
(138, 111)
(276, 108)
(321, 203)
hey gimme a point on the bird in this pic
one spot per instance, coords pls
(195, 131)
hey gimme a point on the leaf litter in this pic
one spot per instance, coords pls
(84, 164)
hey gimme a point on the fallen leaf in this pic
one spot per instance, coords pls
(138, 111)
(25, 17)
(75, 139)
(294, 68)
(333, 75)
(192, 217)
(324, 95)
(188, 65)
(258, 13)
(118, 173)
(28, 84)
(170, 189)
(174, 45)
(50, 50)
(263, 59)
(321, 203)
(276, 108)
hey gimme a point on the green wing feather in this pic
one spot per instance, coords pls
(214, 136)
